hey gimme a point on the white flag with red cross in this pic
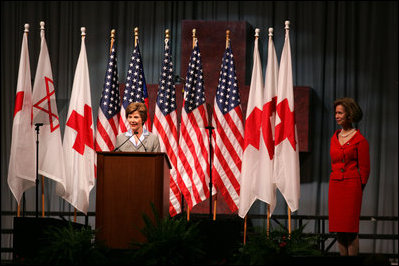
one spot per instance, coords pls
(79, 138)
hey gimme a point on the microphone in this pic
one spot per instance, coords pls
(122, 143)
(140, 141)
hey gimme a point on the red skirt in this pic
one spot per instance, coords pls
(344, 205)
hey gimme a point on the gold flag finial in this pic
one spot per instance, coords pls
(194, 37)
(136, 36)
(112, 39)
(257, 31)
(227, 38)
(167, 32)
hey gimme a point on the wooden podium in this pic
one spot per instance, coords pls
(127, 184)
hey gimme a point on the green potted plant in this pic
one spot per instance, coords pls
(277, 247)
(168, 241)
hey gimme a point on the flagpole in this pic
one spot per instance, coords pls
(194, 40)
(37, 128)
(245, 230)
(26, 31)
(42, 196)
(42, 186)
(210, 128)
(215, 201)
(83, 34)
(268, 221)
(289, 222)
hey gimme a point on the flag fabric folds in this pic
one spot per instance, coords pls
(109, 108)
(78, 138)
(51, 156)
(165, 126)
(266, 187)
(250, 160)
(193, 160)
(135, 89)
(286, 170)
(229, 133)
(22, 168)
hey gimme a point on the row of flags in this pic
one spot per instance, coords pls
(271, 155)
(246, 165)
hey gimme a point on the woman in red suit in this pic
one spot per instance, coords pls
(350, 168)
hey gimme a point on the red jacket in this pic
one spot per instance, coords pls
(351, 160)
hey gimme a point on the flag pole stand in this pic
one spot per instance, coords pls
(210, 128)
(289, 223)
(42, 196)
(268, 221)
(214, 207)
(37, 128)
(245, 230)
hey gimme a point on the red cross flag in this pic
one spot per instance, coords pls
(250, 170)
(21, 169)
(51, 157)
(266, 187)
(286, 167)
(78, 138)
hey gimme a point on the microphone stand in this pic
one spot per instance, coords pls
(37, 128)
(210, 128)
(123, 143)
(136, 133)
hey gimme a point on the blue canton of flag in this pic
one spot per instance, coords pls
(194, 87)
(166, 99)
(136, 88)
(227, 94)
(110, 101)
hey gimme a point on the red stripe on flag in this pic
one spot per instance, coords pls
(104, 135)
(113, 123)
(204, 152)
(186, 164)
(226, 195)
(166, 142)
(148, 121)
(226, 140)
(225, 166)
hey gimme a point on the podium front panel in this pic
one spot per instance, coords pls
(127, 184)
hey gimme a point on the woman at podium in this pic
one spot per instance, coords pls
(137, 138)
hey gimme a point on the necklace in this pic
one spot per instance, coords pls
(350, 132)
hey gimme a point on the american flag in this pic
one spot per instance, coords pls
(165, 126)
(135, 89)
(110, 106)
(193, 160)
(227, 120)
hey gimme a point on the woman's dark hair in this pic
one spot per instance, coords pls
(140, 107)
(352, 108)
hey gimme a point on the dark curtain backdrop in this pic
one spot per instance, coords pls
(338, 49)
